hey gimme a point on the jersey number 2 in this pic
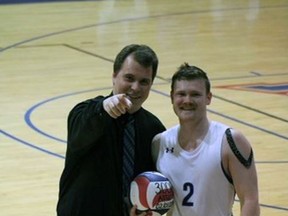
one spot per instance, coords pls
(190, 190)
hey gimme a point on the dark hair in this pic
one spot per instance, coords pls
(187, 72)
(143, 54)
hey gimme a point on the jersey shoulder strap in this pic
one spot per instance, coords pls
(247, 163)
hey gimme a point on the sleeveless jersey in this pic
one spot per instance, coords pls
(200, 185)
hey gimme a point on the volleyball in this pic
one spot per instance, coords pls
(151, 191)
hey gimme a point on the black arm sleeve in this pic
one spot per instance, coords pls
(86, 123)
(247, 163)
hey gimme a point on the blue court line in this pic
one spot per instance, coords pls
(248, 124)
(274, 207)
(37, 1)
(31, 145)
(28, 114)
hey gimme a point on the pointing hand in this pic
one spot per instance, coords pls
(117, 105)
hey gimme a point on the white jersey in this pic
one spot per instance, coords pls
(200, 186)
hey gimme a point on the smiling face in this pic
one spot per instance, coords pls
(133, 80)
(189, 99)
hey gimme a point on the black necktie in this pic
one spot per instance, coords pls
(128, 154)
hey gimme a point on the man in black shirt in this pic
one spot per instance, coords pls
(91, 183)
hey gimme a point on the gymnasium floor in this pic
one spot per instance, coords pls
(56, 54)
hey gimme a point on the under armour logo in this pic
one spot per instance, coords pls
(171, 150)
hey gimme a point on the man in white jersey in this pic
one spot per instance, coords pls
(206, 161)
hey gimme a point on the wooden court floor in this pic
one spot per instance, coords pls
(54, 55)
